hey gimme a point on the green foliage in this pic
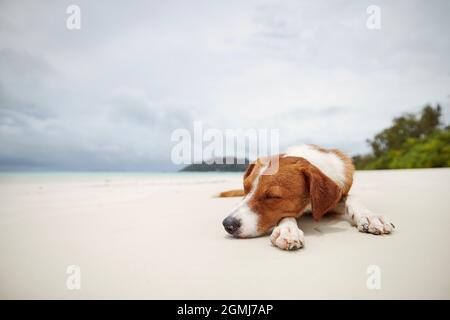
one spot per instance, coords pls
(406, 127)
(413, 141)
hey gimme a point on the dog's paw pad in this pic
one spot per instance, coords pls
(375, 224)
(287, 238)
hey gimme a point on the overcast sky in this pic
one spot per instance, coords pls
(108, 96)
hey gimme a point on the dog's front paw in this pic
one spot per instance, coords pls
(287, 237)
(375, 225)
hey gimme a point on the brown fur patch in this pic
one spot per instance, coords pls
(349, 168)
(324, 193)
(279, 195)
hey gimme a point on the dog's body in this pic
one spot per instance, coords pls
(307, 178)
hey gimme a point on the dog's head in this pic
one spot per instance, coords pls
(297, 185)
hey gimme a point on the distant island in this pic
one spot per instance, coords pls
(221, 165)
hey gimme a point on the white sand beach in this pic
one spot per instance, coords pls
(160, 237)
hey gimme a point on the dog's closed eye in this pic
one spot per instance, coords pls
(271, 196)
(273, 193)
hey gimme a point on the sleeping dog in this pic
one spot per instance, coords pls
(308, 179)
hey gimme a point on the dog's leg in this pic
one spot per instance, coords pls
(364, 219)
(287, 235)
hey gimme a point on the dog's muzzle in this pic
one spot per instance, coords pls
(231, 225)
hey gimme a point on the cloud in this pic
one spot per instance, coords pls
(108, 96)
(137, 109)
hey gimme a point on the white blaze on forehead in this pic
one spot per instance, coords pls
(327, 162)
(248, 219)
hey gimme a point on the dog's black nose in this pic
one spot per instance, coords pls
(231, 224)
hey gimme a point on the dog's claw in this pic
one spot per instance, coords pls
(365, 227)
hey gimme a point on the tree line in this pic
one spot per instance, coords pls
(412, 141)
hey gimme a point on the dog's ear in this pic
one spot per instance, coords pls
(247, 182)
(249, 170)
(323, 191)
